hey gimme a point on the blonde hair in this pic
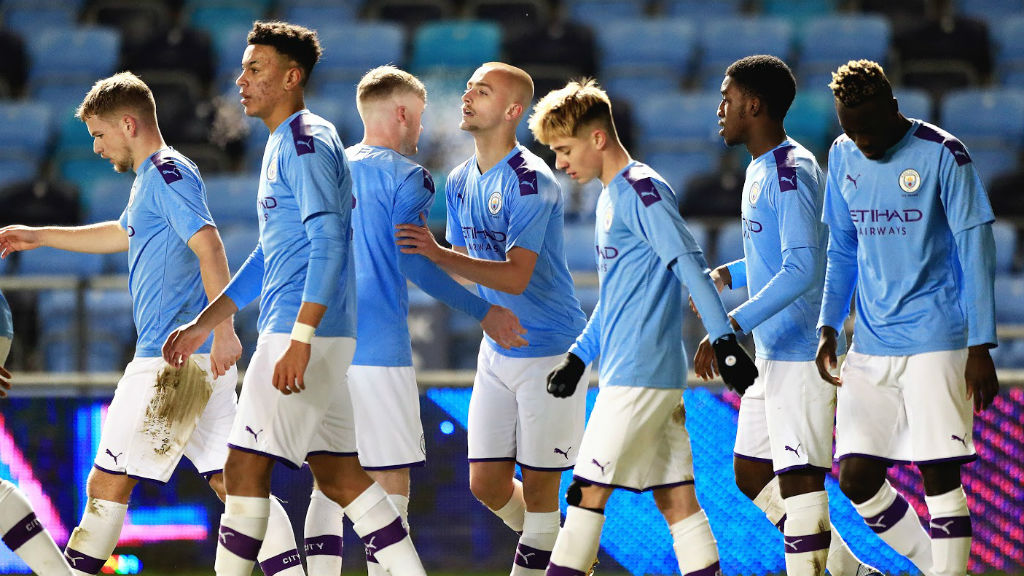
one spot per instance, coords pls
(858, 81)
(563, 112)
(122, 91)
(384, 81)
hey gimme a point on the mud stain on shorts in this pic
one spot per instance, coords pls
(179, 398)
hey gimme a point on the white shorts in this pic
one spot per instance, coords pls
(386, 403)
(636, 440)
(787, 417)
(512, 416)
(290, 427)
(136, 443)
(905, 408)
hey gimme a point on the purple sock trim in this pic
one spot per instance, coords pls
(380, 539)
(951, 527)
(281, 562)
(326, 545)
(239, 544)
(556, 570)
(82, 562)
(709, 571)
(808, 543)
(532, 558)
(889, 517)
(22, 531)
(781, 524)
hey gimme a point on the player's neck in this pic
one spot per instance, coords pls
(761, 141)
(492, 147)
(282, 111)
(616, 158)
(147, 146)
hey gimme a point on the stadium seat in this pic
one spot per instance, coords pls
(80, 54)
(647, 47)
(915, 103)
(811, 120)
(678, 168)
(214, 17)
(798, 11)
(29, 20)
(676, 122)
(25, 130)
(352, 48)
(455, 44)
(109, 327)
(239, 242)
(1008, 38)
(16, 170)
(701, 9)
(228, 47)
(985, 118)
(83, 171)
(50, 261)
(316, 16)
(61, 97)
(232, 199)
(700, 233)
(728, 242)
(725, 40)
(993, 162)
(992, 12)
(826, 42)
(1010, 299)
(1005, 235)
(411, 13)
(580, 253)
(511, 14)
(636, 88)
(104, 199)
(596, 13)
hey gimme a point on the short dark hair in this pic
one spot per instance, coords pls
(769, 79)
(299, 43)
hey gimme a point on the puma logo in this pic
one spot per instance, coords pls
(944, 527)
(563, 452)
(791, 544)
(111, 454)
(877, 526)
(223, 534)
(369, 543)
(255, 435)
(852, 179)
(73, 560)
(525, 557)
(791, 180)
(307, 142)
(959, 439)
(794, 450)
(599, 465)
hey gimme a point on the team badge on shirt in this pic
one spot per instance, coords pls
(608, 215)
(755, 193)
(910, 180)
(272, 169)
(494, 203)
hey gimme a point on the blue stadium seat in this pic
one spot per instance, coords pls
(81, 54)
(232, 199)
(701, 9)
(212, 18)
(993, 162)
(1008, 40)
(109, 327)
(228, 46)
(25, 130)
(915, 103)
(646, 47)
(635, 89)
(105, 198)
(725, 40)
(596, 13)
(811, 121)
(700, 233)
(1005, 235)
(985, 118)
(315, 16)
(992, 12)
(798, 11)
(49, 261)
(83, 171)
(29, 20)
(16, 170)
(729, 242)
(455, 44)
(676, 122)
(352, 48)
(73, 138)
(830, 41)
(239, 242)
(588, 297)
(1009, 299)
(62, 97)
(678, 168)
(580, 253)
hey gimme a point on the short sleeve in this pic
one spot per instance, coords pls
(530, 206)
(415, 195)
(183, 204)
(648, 210)
(316, 171)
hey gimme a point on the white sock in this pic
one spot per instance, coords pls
(278, 554)
(950, 532)
(540, 530)
(377, 522)
(807, 534)
(897, 524)
(25, 535)
(577, 543)
(841, 560)
(323, 533)
(242, 527)
(401, 502)
(513, 513)
(695, 546)
(94, 539)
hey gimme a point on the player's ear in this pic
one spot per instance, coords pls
(754, 106)
(129, 124)
(599, 138)
(515, 110)
(293, 78)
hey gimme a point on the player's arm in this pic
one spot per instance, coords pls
(733, 275)
(565, 377)
(102, 238)
(5, 382)
(213, 269)
(840, 277)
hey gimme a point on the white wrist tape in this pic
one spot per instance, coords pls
(302, 332)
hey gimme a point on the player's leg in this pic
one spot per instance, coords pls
(322, 533)
(247, 506)
(95, 538)
(695, 545)
(396, 484)
(374, 517)
(541, 522)
(580, 537)
(941, 420)
(24, 534)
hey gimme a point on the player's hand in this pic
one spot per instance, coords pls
(226, 350)
(704, 360)
(183, 342)
(826, 359)
(291, 367)
(734, 364)
(982, 382)
(418, 239)
(17, 238)
(562, 381)
(722, 278)
(5, 383)
(503, 327)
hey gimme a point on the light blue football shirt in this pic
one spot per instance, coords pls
(895, 219)
(517, 202)
(6, 325)
(304, 174)
(166, 208)
(784, 246)
(637, 326)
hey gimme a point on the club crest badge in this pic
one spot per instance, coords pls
(910, 181)
(755, 193)
(272, 169)
(494, 203)
(609, 214)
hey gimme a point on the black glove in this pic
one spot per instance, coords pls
(734, 364)
(563, 379)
